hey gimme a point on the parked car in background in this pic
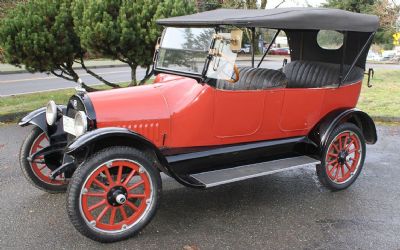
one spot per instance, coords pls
(373, 56)
(246, 49)
(279, 51)
(388, 55)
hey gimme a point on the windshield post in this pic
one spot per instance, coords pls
(253, 38)
(269, 47)
(209, 57)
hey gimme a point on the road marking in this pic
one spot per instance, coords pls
(56, 77)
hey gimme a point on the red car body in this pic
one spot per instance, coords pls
(163, 111)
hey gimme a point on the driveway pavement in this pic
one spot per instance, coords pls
(283, 211)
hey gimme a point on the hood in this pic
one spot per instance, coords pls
(142, 108)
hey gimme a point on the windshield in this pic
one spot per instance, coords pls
(185, 49)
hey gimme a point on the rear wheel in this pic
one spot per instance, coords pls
(342, 158)
(37, 172)
(114, 194)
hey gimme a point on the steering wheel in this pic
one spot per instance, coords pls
(236, 71)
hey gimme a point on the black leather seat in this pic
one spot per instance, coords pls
(308, 74)
(255, 79)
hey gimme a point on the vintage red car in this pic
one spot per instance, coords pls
(205, 121)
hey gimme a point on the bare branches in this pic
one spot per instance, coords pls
(388, 13)
(82, 63)
(282, 2)
(61, 75)
(69, 74)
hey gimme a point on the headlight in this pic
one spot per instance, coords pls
(51, 113)
(80, 123)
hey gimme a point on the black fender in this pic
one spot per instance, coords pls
(324, 128)
(113, 136)
(38, 118)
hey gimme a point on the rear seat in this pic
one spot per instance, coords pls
(255, 79)
(308, 74)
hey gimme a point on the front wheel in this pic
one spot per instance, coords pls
(114, 194)
(342, 158)
(37, 172)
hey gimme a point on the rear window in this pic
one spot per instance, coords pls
(330, 39)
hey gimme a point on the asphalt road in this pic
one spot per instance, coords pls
(283, 211)
(23, 83)
(14, 84)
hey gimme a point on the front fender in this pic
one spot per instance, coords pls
(38, 118)
(113, 136)
(355, 116)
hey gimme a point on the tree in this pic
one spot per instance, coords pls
(205, 5)
(247, 4)
(359, 6)
(125, 29)
(7, 5)
(388, 12)
(40, 36)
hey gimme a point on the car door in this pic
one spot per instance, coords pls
(238, 113)
(301, 108)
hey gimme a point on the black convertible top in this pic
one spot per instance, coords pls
(282, 18)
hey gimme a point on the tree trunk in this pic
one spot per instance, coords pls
(149, 73)
(133, 75)
(263, 4)
(76, 79)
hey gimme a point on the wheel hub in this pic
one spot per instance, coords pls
(117, 196)
(342, 157)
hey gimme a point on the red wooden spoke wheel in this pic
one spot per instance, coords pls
(116, 196)
(39, 167)
(343, 157)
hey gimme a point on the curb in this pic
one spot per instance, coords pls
(19, 71)
(12, 118)
(386, 119)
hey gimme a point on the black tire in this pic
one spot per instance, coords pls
(88, 169)
(27, 167)
(322, 169)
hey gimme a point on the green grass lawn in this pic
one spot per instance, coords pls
(382, 100)
(13, 108)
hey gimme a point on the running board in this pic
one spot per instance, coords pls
(228, 175)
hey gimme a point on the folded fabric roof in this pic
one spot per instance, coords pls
(281, 18)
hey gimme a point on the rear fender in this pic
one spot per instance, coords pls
(325, 127)
(98, 139)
